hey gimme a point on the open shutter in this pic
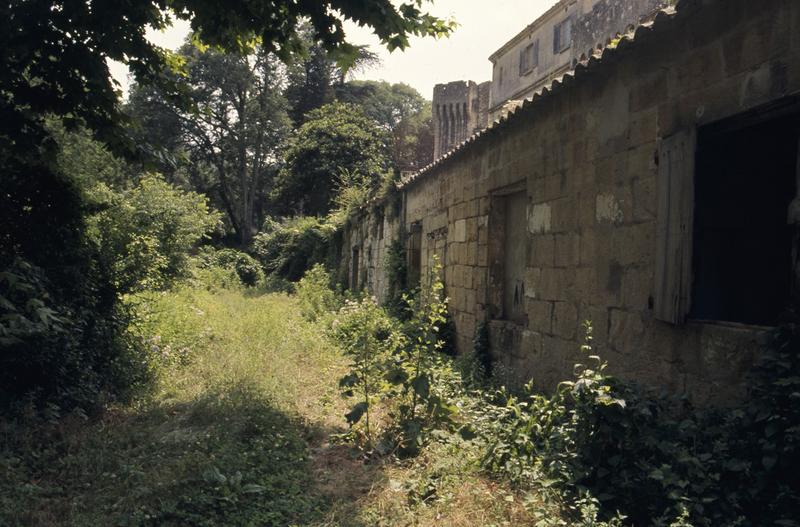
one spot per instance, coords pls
(673, 276)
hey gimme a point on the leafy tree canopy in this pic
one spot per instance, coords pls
(229, 143)
(388, 104)
(402, 111)
(55, 52)
(338, 146)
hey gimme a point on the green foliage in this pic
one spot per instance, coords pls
(145, 233)
(228, 144)
(290, 248)
(421, 371)
(77, 86)
(337, 147)
(315, 295)
(49, 263)
(220, 441)
(54, 354)
(399, 109)
(396, 266)
(349, 200)
(247, 268)
(369, 337)
(654, 458)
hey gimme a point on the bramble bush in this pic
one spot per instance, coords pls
(145, 234)
(654, 458)
(289, 248)
(315, 295)
(246, 267)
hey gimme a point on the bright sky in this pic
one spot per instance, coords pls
(483, 28)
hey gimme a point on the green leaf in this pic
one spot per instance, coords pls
(252, 488)
(422, 385)
(396, 376)
(348, 381)
(468, 432)
(358, 411)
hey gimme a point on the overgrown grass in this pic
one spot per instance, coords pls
(237, 432)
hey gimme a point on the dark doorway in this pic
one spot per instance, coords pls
(744, 183)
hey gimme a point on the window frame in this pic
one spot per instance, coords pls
(559, 46)
(529, 58)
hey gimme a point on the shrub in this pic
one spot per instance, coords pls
(315, 294)
(369, 337)
(146, 233)
(60, 352)
(246, 267)
(655, 458)
(396, 266)
(290, 248)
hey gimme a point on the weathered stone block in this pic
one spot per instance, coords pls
(644, 198)
(625, 331)
(637, 286)
(755, 43)
(567, 250)
(702, 67)
(472, 229)
(564, 215)
(565, 320)
(634, 243)
(540, 315)
(533, 278)
(643, 128)
(649, 92)
(540, 218)
(541, 251)
(608, 209)
(555, 283)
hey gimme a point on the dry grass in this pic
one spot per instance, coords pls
(258, 398)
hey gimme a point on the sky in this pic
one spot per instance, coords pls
(483, 28)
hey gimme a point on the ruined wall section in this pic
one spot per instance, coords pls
(460, 109)
(586, 158)
(608, 18)
(365, 243)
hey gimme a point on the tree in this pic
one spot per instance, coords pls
(145, 233)
(399, 109)
(337, 146)
(55, 52)
(315, 76)
(54, 64)
(233, 133)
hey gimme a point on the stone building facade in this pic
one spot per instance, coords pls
(460, 109)
(555, 42)
(549, 47)
(647, 192)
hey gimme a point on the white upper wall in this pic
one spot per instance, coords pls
(588, 20)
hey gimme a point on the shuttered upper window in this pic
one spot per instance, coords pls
(529, 58)
(562, 36)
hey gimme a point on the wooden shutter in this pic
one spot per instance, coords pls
(673, 274)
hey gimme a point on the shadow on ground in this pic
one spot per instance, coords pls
(229, 458)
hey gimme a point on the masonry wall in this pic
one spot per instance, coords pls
(365, 243)
(586, 158)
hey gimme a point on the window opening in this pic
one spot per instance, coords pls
(529, 58)
(562, 36)
(744, 249)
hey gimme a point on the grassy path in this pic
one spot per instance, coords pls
(238, 436)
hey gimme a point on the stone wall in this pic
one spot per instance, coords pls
(586, 157)
(460, 109)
